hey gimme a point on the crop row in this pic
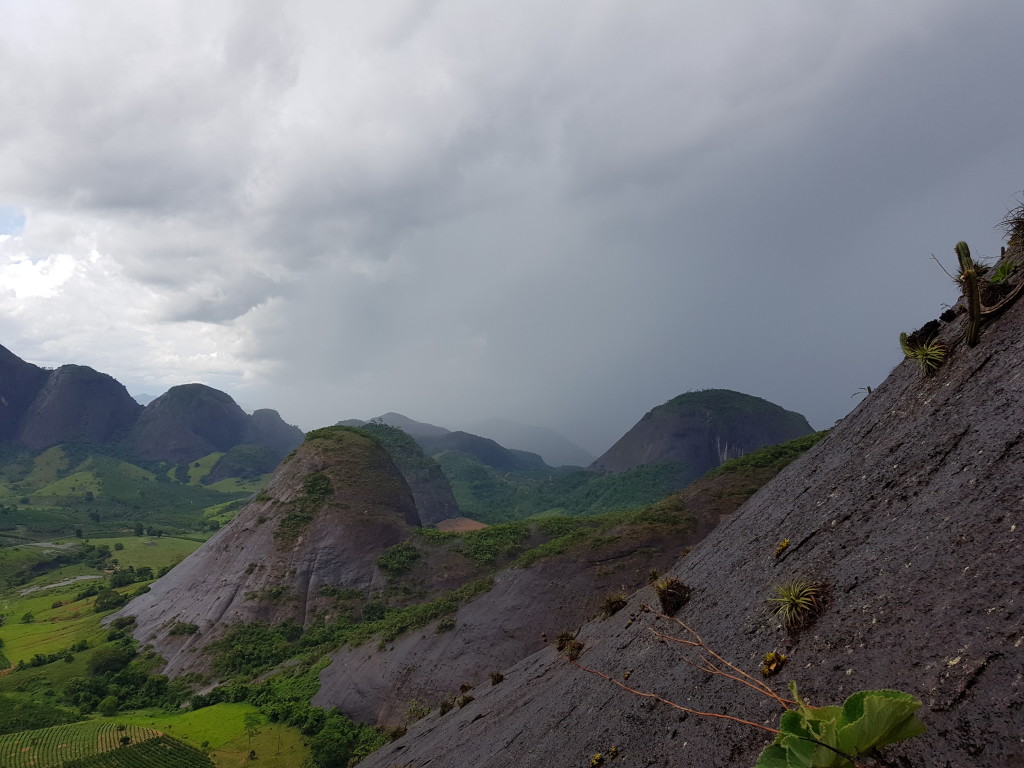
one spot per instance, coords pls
(158, 752)
(53, 746)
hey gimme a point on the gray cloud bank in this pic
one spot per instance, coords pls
(560, 213)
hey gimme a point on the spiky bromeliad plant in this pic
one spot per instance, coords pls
(798, 602)
(929, 354)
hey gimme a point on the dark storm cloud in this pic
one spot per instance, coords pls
(562, 214)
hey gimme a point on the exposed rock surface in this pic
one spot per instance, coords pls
(80, 405)
(20, 382)
(430, 488)
(701, 430)
(526, 608)
(267, 428)
(912, 508)
(270, 562)
(187, 422)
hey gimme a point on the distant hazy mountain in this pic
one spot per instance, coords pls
(143, 398)
(555, 449)
(407, 425)
(484, 450)
(702, 430)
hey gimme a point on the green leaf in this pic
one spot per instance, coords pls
(773, 756)
(872, 719)
(814, 737)
(797, 738)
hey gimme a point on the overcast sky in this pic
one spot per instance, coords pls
(563, 213)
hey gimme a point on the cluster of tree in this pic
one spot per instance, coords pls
(21, 715)
(124, 577)
(249, 649)
(118, 680)
(92, 555)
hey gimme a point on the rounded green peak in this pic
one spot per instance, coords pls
(190, 393)
(721, 401)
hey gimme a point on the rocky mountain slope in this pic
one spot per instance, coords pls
(539, 596)
(701, 430)
(20, 382)
(80, 405)
(430, 488)
(41, 408)
(321, 522)
(909, 513)
(190, 421)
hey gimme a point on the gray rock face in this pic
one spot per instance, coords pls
(188, 422)
(910, 509)
(20, 382)
(493, 631)
(702, 430)
(270, 562)
(430, 488)
(77, 404)
(267, 428)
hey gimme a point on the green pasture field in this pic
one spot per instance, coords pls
(42, 683)
(52, 629)
(46, 468)
(222, 727)
(72, 485)
(238, 485)
(156, 552)
(200, 468)
(224, 513)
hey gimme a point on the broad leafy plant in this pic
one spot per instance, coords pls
(835, 737)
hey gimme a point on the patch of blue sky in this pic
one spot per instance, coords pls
(12, 220)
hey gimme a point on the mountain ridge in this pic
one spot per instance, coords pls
(41, 408)
(701, 430)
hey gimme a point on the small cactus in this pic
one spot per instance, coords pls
(972, 292)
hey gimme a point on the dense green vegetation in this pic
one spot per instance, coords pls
(726, 403)
(494, 496)
(90, 491)
(773, 457)
(21, 715)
